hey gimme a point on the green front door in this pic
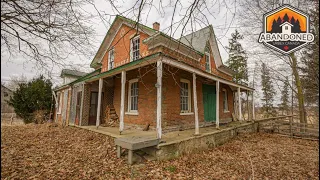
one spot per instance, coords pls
(209, 102)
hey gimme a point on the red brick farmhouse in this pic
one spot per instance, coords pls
(143, 76)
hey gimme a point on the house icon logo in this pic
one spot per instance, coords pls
(286, 29)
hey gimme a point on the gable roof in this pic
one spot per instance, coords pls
(71, 72)
(112, 31)
(197, 40)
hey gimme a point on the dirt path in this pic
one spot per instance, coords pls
(43, 152)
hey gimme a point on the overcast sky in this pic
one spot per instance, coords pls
(220, 15)
(17, 66)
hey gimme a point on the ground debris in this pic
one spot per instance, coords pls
(40, 152)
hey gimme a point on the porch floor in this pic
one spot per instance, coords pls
(168, 137)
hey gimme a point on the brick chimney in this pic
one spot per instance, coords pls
(156, 26)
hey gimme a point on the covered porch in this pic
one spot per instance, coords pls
(159, 128)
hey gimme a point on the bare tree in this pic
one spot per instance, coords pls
(251, 15)
(45, 31)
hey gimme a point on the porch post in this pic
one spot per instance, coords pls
(99, 102)
(81, 109)
(159, 98)
(253, 114)
(239, 104)
(123, 89)
(195, 104)
(247, 93)
(217, 103)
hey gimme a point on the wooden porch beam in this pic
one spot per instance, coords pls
(123, 89)
(217, 103)
(253, 114)
(239, 104)
(99, 102)
(159, 98)
(195, 104)
(82, 99)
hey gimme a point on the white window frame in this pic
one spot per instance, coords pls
(188, 112)
(59, 94)
(129, 111)
(205, 58)
(131, 48)
(225, 100)
(109, 58)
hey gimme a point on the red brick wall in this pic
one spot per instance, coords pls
(147, 102)
(121, 44)
(147, 97)
(228, 114)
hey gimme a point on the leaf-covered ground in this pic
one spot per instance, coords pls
(47, 152)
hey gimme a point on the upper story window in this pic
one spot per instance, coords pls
(225, 100)
(185, 96)
(133, 93)
(208, 64)
(5, 94)
(135, 48)
(111, 59)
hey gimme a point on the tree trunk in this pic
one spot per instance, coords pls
(299, 88)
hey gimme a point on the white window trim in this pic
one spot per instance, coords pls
(131, 47)
(225, 92)
(189, 98)
(131, 112)
(59, 94)
(208, 54)
(186, 113)
(112, 49)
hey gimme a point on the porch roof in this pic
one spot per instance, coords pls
(170, 61)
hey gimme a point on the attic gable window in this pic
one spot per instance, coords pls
(135, 48)
(111, 59)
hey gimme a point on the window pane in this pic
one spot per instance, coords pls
(134, 96)
(184, 96)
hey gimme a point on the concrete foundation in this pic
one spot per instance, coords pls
(201, 142)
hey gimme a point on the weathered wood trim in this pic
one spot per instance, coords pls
(239, 104)
(195, 104)
(217, 103)
(82, 99)
(199, 72)
(123, 90)
(159, 98)
(253, 113)
(99, 102)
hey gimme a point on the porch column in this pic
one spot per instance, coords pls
(99, 102)
(195, 104)
(247, 93)
(253, 114)
(217, 103)
(81, 109)
(159, 98)
(239, 104)
(123, 89)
